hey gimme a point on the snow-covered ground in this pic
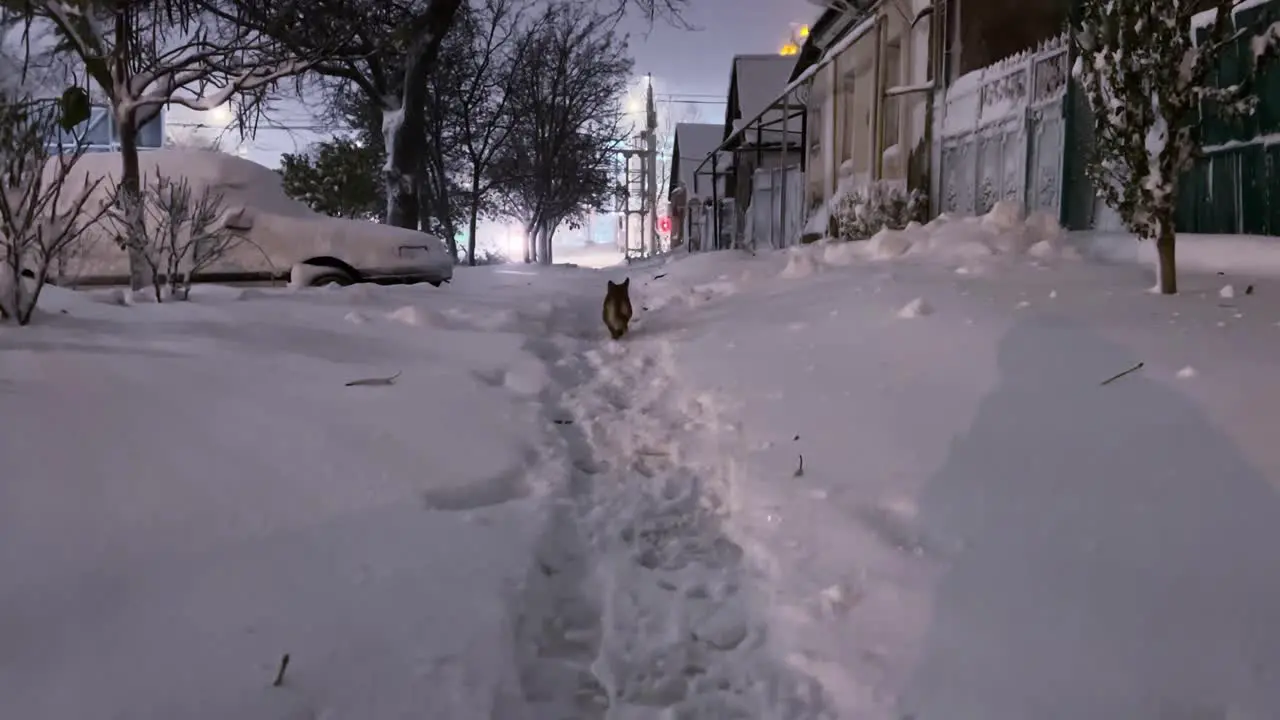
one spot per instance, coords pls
(535, 522)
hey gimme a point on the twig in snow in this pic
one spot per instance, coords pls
(375, 381)
(659, 275)
(562, 422)
(800, 470)
(284, 665)
(1117, 376)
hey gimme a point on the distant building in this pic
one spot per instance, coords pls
(48, 80)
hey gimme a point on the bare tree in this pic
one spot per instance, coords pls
(389, 57)
(143, 55)
(561, 156)
(1149, 81)
(181, 234)
(498, 41)
(43, 218)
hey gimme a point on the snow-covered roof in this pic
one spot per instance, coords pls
(694, 142)
(756, 81)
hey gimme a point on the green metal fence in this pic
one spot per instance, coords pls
(1235, 187)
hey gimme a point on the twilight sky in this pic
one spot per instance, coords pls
(697, 61)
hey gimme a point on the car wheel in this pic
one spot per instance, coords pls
(335, 278)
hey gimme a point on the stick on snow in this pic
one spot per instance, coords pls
(1117, 376)
(800, 470)
(284, 665)
(375, 381)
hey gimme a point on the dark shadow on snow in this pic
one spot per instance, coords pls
(1120, 559)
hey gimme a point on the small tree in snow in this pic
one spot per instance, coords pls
(1147, 81)
(180, 233)
(43, 217)
(339, 178)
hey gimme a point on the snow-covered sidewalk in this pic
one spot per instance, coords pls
(979, 527)
(874, 481)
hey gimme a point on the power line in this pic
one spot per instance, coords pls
(694, 102)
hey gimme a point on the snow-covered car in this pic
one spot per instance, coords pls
(284, 239)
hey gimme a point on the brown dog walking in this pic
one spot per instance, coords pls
(617, 308)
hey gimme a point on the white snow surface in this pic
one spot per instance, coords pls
(772, 499)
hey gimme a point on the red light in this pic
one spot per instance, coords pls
(664, 225)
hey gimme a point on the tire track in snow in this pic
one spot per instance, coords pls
(639, 603)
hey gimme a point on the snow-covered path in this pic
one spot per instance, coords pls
(646, 606)
(534, 522)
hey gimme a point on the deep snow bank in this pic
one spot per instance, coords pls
(954, 517)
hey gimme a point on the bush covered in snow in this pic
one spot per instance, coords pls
(43, 218)
(861, 213)
(179, 232)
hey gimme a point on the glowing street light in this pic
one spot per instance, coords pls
(799, 34)
(221, 115)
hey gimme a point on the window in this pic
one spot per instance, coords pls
(151, 135)
(96, 131)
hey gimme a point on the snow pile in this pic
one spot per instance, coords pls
(916, 308)
(971, 242)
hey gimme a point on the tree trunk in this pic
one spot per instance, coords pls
(531, 240)
(130, 190)
(471, 230)
(404, 132)
(545, 231)
(402, 172)
(1168, 266)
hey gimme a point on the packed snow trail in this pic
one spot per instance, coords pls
(640, 605)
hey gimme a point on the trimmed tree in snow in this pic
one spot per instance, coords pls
(1147, 81)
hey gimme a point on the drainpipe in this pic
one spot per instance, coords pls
(877, 104)
(1070, 134)
(715, 202)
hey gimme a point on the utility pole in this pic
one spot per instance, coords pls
(651, 157)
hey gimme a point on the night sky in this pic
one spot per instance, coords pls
(697, 61)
